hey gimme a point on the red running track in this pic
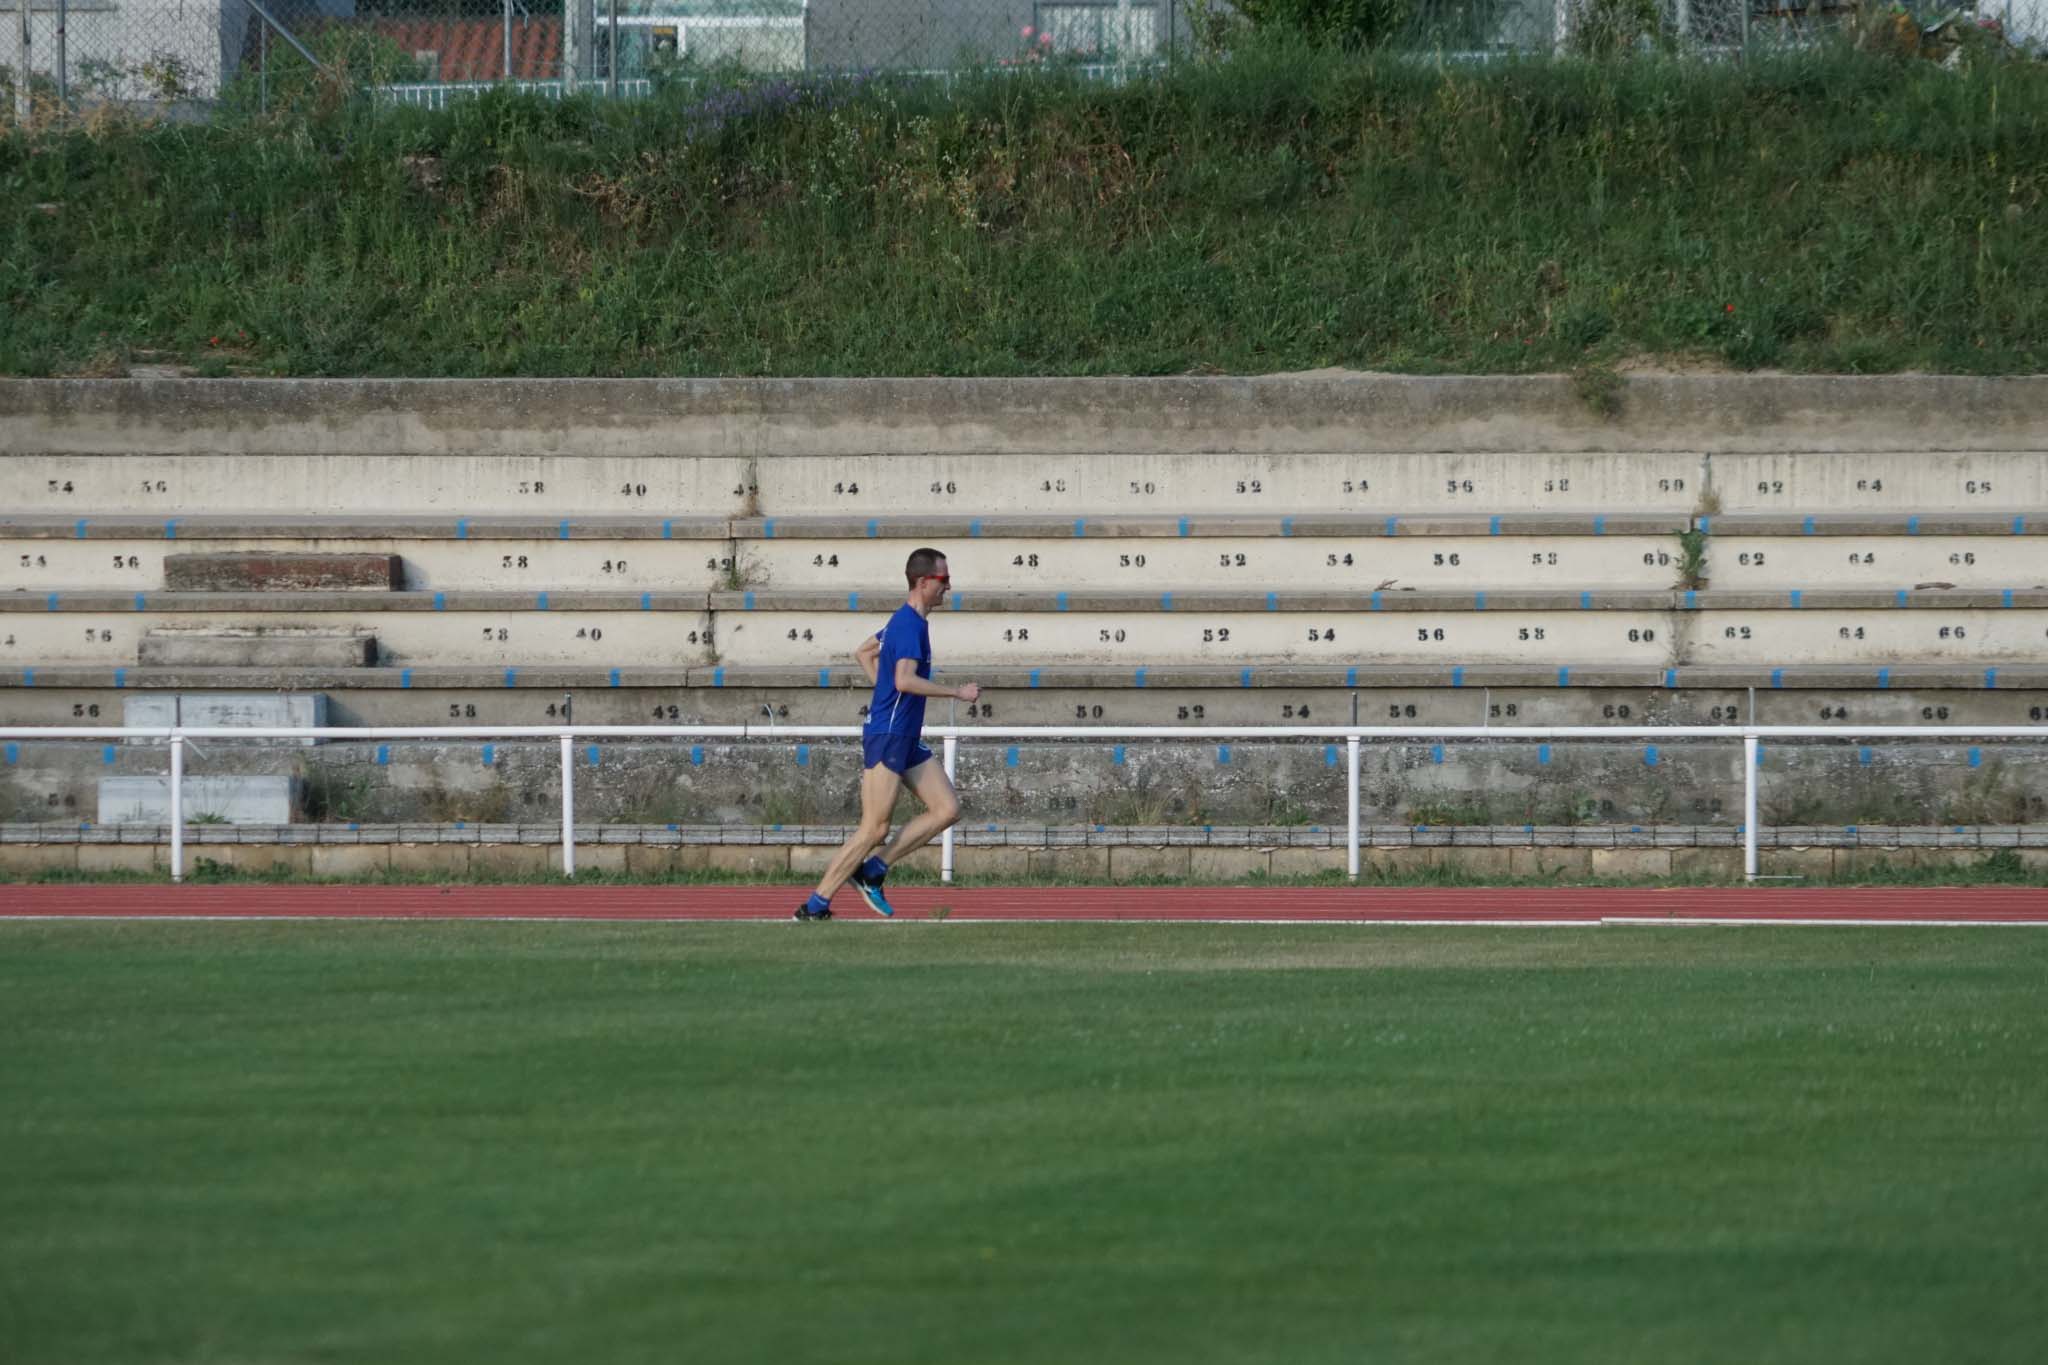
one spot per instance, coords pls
(1363, 905)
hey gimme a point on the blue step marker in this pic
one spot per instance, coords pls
(1010, 757)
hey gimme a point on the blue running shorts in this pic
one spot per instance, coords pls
(897, 753)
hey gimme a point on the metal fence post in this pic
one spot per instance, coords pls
(1749, 807)
(568, 805)
(1351, 768)
(177, 808)
(23, 70)
(505, 26)
(64, 85)
(950, 751)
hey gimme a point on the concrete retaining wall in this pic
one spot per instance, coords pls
(1174, 416)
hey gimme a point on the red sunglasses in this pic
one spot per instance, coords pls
(945, 578)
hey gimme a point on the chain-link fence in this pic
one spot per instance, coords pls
(191, 54)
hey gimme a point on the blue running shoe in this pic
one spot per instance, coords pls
(812, 910)
(870, 889)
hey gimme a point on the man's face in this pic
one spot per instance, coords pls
(933, 586)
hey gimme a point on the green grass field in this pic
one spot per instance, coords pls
(923, 1142)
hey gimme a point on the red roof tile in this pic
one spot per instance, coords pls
(474, 49)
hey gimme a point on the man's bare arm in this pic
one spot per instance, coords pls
(908, 683)
(866, 655)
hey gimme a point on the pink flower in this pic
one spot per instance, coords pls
(1028, 30)
(1045, 38)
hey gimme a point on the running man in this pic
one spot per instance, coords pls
(898, 660)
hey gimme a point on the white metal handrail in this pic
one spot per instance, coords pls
(1353, 736)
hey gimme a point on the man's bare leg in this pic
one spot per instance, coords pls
(941, 808)
(878, 789)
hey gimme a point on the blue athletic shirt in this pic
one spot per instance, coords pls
(906, 636)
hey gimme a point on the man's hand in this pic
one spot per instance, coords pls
(968, 691)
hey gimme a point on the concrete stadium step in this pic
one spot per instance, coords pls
(1457, 695)
(39, 553)
(1250, 629)
(1051, 484)
(858, 485)
(1283, 705)
(1888, 551)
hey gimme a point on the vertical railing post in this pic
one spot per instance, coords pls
(505, 25)
(950, 751)
(1749, 807)
(611, 47)
(1351, 789)
(568, 804)
(177, 808)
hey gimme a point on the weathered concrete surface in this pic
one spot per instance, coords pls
(283, 571)
(1559, 785)
(256, 647)
(833, 417)
(257, 710)
(229, 800)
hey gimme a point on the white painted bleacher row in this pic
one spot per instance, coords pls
(1049, 483)
(1359, 553)
(1565, 631)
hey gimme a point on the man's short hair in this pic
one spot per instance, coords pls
(922, 563)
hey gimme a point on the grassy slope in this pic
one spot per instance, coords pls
(1287, 209)
(924, 1143)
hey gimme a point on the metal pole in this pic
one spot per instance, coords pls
(1749, 807)
(263, 68)
(177, 808)
(22, 70)
(1351, 762)
(951, 749)
(568, 806)
(64, 85)
(611, 61)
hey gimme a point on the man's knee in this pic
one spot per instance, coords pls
(947, 813)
